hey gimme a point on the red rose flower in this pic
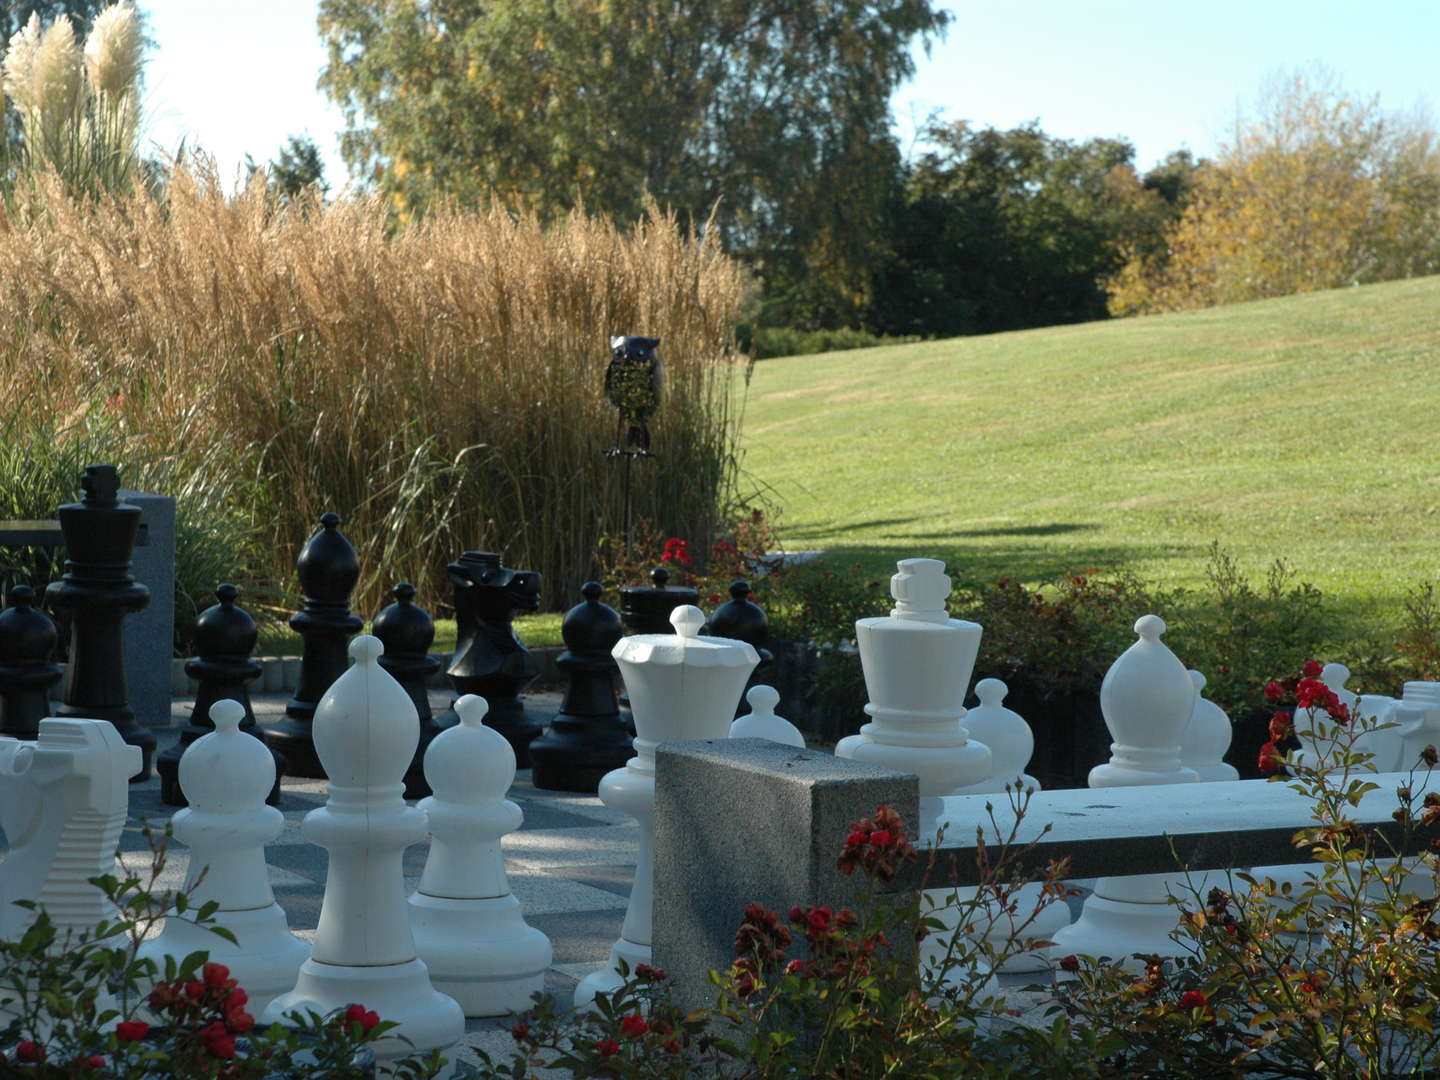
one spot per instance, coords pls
(93, 1062)
(1070, 963)
(880, 837)
(1193, 999)
(607, 1047)
(819, 919)
(795, 967)
(1312, 669)
(240, 1022)
(131, 1030)
(651, 972)
(358, 1014)
(1274, 691)
(218, 1041)
(633, 1026)
(215, 975)
(29, 1052)
(520, 1032)
(194, 990)
(237, 1000)
(796, 913)
(1269, 762)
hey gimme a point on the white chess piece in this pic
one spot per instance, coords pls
(762, 723)
(1147, 699)
(366, 730)
(467, 924)
(1008, 736)
(1418, 714)
(1207, 737)
(681, 686)
(226, 775)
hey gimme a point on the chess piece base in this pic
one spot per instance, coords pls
(1120, 928)
(480, 952)
(607, 979)
(577, 752)
(293, 738)
(398, 992)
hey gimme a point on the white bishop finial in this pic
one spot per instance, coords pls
(687, 620)
(470, 763)
(1146, 698)
(1206, 737)
(1007, 735)
(366, 728)
(920, 589)
(762, 723)
(226, 770)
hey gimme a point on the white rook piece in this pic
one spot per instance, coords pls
(1207, 737)
(762, 723)
(63, 801)
(681, 686)
(1147, 698)
(468, 926)
(366, 730)
(225, 776)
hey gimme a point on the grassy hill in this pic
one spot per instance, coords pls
(1306, 427)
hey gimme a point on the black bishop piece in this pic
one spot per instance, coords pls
(407, 633)
(225, 636)
(328, 569)
(586, 739)
(27, 672)
(98, 591)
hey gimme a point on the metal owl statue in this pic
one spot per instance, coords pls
(632, 385)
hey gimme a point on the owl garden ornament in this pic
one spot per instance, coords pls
(632, 385)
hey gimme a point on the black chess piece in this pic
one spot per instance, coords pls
(27, 672)
(407, 633)
(490, 659)
(328, 569)
(586, 739)
(225, 636)
(98, 591)
(645, 609)
(741, 619)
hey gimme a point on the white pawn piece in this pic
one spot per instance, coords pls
(63, 802)
(467, 924)
(681, 686)
(1207, 737)
(1147, 699)
(1008, 736)
(762, 723)
(226, 776)
(366, 730)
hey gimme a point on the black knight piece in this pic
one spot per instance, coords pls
(328, 569)
(490, 659)
(632, 385)
(225, 636)
(27, 671)
(407, 633)
(586, 740)
(97, 592)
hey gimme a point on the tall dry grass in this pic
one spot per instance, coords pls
(438, 386)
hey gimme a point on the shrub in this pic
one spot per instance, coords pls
(763, 342)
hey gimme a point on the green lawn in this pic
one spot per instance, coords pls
(1306, 427)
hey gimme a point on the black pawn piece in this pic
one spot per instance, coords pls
(407, 632)
(741, 619)
(490, 659)
(586, 740)
(98, 591)
(27, 645)
(328, 569)
(225, 636)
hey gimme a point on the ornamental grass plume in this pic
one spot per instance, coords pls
(113, 51)
(19, 64)
(58, 84)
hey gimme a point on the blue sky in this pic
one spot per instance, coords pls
(238, 76)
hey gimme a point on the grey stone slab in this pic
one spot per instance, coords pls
(150, 632)
(539, 814)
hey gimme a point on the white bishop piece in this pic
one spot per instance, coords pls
(1207, 737)
(366, 730)
(1147, 699)
(226, 776)
(681, 686)
(762, 723)
(468, 926)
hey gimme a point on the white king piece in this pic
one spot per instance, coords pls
(681, 686)
(366, 730)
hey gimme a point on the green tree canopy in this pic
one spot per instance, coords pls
(772, 113)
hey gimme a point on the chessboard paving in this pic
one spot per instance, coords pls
(571, 863)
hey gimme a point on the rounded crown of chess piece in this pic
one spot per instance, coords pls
(1003, 730)
(27, 635)
(1207, 736)
(403, 628)
(919, 588)
(328, 565)
(590, 626)
(740, 617)
(762, 723)
(224, 629)
(470, 763)
(226, 770)
(366, 727)
(686, 646)
(1146, 698)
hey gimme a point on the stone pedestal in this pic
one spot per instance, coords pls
(328, 569)
(97, 592)
(682, 686)
(27, 671)
(407, 632)
(586, 739)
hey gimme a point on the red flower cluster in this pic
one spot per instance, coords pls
(366, 1018)
(760, 945)
(633, 1026)
(607, 1047)
(131, 1030)
(650, 973)
(214, 994)
(1304, 691)
(677, 550)
(30, 1053)
(876, 846)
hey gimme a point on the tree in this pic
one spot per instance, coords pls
(1318, 190)
(298, 167)
(772, 114)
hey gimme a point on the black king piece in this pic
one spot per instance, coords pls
(98, 591)
(328, 569)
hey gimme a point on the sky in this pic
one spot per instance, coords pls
(238, 76)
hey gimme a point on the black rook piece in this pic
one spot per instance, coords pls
(98, 592)
(645, 609)
(741, 619)
(490, 659)
(27, 644)
(586, 740)
(328, 569)
(407, 632)
(225, 637)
